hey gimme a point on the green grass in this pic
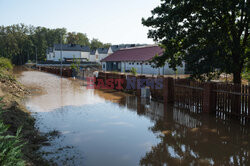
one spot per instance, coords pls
(10, 145)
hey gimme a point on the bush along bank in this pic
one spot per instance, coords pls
(19, 139)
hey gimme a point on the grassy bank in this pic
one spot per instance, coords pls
(19, 139)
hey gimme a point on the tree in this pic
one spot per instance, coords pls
(95, 43)
(78, 38)
(209, 35)
(82, 39)
(19, 42)
(107, 45)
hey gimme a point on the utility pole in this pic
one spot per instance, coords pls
(61, 55)
(36, 55)
(28, 58)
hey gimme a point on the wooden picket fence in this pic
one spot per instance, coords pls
(189, 94)
(232, 100)
(227, 100)
(224, 100)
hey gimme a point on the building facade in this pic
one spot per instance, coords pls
(69, 52)
(139, 58)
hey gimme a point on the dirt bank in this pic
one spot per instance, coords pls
(16, 115)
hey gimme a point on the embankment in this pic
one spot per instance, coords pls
(14, 115)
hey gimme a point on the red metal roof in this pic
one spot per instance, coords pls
(134, 54)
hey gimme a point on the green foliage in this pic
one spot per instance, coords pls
(10, 146)
(77, 38)
(5, 64)
(133, 71)
(20, 42)
(95, 43)
(208, 35)
(76, 64)
(246, 75)
(246, 72)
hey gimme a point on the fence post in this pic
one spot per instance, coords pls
(209, 98)
(248, 99)
(168, 90)
(138, 84)
(123, 77)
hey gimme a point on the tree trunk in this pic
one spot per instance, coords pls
(237, 77)
(237, 67)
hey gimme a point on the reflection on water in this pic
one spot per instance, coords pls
(111, 128)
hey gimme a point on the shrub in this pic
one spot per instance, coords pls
(133, 71)
(5, 64)
(246, 75)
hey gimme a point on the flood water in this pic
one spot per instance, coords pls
(110, 128)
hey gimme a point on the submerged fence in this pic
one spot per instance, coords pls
(222, 99)
(219, 98)
(66, 72)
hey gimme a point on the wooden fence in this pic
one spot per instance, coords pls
(189, 94)
(232, 100)
(66, 72)
(224, 100)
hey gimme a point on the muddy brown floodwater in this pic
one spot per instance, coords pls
(109, 128)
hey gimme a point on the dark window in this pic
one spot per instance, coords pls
(141, 63)
(137, 63)
(103, 66)
(146, 63)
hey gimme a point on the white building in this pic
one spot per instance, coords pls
(69, 52)
(92, 56)
(100, 54)
(139, 58)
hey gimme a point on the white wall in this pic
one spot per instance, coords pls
(146, 68)
(49, 56)
(56, 55)
(110, 51)
(92, 58)
(99, 57)
(85, 55)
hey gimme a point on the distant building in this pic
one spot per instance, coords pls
(69, 51)
(100, 54)
(139, 58)
(92, 57)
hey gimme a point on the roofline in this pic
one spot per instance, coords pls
(71, 50)
(145, 46)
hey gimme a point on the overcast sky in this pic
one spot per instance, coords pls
(111, 21)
